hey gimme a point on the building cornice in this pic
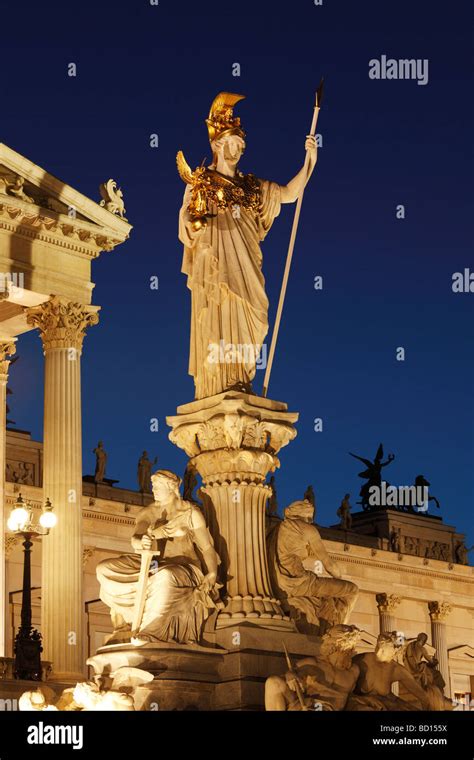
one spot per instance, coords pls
(403, 567)
(112, 223)
(77, 236)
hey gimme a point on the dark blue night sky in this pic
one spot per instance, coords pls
(144, 69)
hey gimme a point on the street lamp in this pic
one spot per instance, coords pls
(28, 646)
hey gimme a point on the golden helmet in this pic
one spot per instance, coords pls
(221, 118)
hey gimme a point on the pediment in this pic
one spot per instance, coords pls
(26, 184)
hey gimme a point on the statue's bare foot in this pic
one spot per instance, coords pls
(141, 639)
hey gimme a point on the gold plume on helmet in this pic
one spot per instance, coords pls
(221, 118)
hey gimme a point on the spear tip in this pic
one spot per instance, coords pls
(319, 93)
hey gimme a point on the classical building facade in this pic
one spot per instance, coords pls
(49, 236)
(399, 590)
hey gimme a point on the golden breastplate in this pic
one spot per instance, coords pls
(212, 190)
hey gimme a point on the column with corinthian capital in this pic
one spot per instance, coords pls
(387, 603)
(439, 612)
(7, 348)
(62, 326)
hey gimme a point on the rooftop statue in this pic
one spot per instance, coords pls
(112, 198)
(344, 513)
(373, 474)
(100, 462)
(144, 472)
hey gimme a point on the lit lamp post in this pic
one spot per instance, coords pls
(28, 639)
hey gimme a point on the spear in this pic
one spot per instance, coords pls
(291, 670)
(294, 229)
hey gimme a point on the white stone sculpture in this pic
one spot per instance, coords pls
(181, 591)
(112, 198)
(313, 600)
(224, 217)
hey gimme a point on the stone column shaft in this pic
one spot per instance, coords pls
(7, 348)
(239, 511)
(439, 611)
(387, 603)
(62, 325)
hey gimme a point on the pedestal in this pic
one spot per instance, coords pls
(232, 439)
(227, 672)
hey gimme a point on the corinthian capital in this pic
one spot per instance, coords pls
(439, 611)
(387, 602)
(62, 323)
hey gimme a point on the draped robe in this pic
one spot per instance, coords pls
(229, 306)
(176, 608)
(322, 601)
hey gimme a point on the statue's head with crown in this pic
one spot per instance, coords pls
(226, 135)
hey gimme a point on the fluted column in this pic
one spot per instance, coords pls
(235, 512)
(232, 439)
(387, 604)
(62, 327)
(439, 612)
(7, 348)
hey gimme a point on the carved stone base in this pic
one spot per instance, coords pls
(228, 673)
(184, 675)
(233, 439)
